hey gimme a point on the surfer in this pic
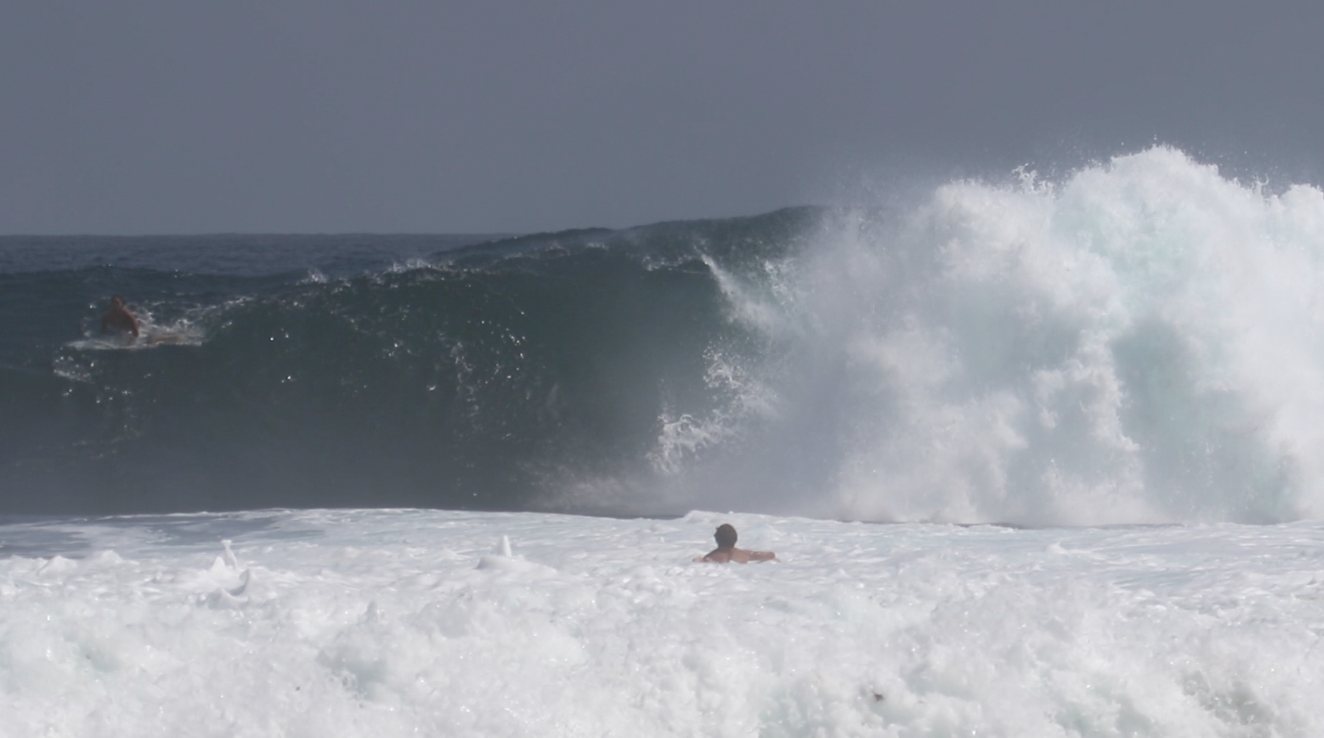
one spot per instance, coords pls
(118, 319)
(726, 549)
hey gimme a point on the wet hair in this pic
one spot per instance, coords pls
(725, 535)
(117, 298)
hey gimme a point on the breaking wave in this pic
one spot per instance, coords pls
(1139, 341)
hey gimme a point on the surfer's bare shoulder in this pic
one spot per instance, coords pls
(737, 555)
(727, 552)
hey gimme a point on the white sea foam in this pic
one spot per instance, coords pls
(1142, 341)
(384, 623)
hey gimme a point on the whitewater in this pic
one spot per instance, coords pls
(1037, 456)
(398, 622)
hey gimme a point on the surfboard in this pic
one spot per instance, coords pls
(128, 342)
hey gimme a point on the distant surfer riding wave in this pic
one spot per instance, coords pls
(119, 321)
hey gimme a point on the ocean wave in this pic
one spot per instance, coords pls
(1136, 342)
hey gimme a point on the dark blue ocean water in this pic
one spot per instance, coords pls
(363, 371)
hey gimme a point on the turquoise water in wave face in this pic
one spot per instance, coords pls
(403, 622)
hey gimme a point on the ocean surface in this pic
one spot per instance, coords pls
(1037, 458)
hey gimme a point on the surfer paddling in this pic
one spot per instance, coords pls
(726, 549)
(118, 319)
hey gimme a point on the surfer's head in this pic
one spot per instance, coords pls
(725, 535)
(117, 300)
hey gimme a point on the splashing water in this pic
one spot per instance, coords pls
(1140, 342)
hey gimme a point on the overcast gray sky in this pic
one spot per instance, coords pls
(190, 116)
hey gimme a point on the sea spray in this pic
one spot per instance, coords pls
(1139, 342)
